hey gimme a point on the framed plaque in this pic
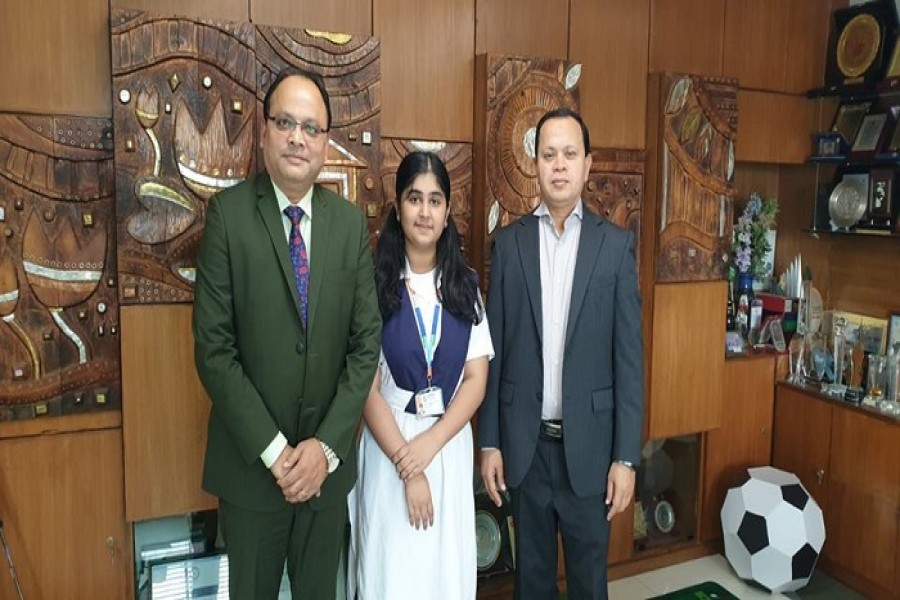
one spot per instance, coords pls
(848, 119)
(892, 73)
(881, 197)
(829, 145)
(872, 134)
(856, 43)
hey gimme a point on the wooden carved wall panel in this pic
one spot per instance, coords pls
(351, 68)
(457, 158)
(188, 112)
(512, 93)
(184, 105)
(697, 166)
(615, 188)
(58, 299)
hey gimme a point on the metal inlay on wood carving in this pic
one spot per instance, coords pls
(698, 130)
(615, 188)
(58, 299)
(188, 111)
(458, 160)
(516, 92)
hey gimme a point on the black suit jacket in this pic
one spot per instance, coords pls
(603, 378)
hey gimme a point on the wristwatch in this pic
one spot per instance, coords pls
(625, 463)
(330, 457)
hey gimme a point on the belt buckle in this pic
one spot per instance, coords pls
(551, 429)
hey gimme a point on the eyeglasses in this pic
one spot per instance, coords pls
(286, 124)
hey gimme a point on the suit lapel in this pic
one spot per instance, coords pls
(322, 222)
(589, 244)
(267, 206)
(529, 242)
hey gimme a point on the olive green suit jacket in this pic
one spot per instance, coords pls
(263, 372)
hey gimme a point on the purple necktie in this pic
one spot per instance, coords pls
(299, 258)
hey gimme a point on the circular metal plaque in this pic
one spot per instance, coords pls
(858, 45)
(847, 203)
(664, 516)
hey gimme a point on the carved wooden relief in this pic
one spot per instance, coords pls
(512, 93)
(58, 300)
(458, 160)
(615, 188)
(697, 163)
(351, 68)
(188, 112)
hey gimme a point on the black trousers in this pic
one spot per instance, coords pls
(542, 506)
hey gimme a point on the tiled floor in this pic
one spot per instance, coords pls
(716, 568)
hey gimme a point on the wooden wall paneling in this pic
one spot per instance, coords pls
(513, 93)
(863, 275)
(808, 24)
(62, 508)
(685, 386)
(164, 419)
(745, 438)
(57, 268)
(756, 42)
(529, 27)
(775, 128)
(56, 57)
(796, 199)
(687, 36)
(458, 160)
(344, 16)
(184, 112)
(610, 39)
(427, 69)
(229, 10)
(754, 177)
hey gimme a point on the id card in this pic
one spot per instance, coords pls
(430, 402)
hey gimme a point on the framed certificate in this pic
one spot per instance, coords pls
(848, 119)
(871, 133)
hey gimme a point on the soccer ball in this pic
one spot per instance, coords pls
(773, 529)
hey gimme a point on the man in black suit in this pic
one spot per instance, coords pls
(562, 418)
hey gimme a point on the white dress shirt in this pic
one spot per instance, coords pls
(558, 252)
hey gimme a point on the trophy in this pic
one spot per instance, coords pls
(837, 387)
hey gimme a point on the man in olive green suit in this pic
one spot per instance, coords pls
(287, 334)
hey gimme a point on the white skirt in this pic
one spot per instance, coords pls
(389, 559)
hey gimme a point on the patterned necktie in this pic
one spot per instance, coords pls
(299, 258)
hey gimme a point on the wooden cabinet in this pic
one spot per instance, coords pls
(774, 127)
(863, 516)
(776, 45)
(847, 459)
(61, 501)
(687, 358)
(743, 440)
(802, 439)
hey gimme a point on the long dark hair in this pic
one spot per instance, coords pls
(459, 286)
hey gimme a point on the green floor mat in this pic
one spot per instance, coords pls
(708, 590)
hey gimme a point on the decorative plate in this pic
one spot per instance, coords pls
(664, 516)
(847, 203)
(487, 539)
(858, 45)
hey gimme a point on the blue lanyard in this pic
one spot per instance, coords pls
(429, 343)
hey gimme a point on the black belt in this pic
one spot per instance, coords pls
(552, 429)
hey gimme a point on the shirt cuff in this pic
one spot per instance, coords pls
(333, 461)
(273, 450)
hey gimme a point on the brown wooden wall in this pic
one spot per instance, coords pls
(774, 48)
